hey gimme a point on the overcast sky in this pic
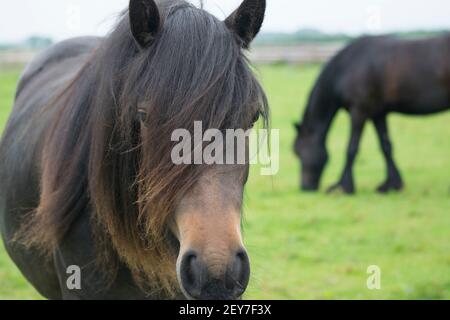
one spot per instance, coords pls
(61, 19)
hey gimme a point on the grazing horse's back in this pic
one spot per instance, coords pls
(385, 74)
(21, 149)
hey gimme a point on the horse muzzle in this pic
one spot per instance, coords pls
(214, 276)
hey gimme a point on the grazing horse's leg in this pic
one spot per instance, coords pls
(346, 183)
(394, 180)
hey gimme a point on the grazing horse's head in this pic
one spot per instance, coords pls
(178, 66)
(310, 148)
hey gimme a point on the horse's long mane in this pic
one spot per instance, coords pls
(100, 160)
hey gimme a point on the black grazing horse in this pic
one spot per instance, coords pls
(372, 77)
(92, 206)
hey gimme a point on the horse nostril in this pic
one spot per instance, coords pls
(191, 274)
(240, 273)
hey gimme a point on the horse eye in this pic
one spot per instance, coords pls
(141, 115)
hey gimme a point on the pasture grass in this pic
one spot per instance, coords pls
(318, 246)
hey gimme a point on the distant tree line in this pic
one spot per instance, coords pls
(318, 37)
(34, 43)
(303, 36)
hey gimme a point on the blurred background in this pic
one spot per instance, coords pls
(303, 246)
(294, 31)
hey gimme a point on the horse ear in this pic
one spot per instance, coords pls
(247, 20)
(145, 21)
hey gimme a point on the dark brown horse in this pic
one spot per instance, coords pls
(86, 173)
(372, 77)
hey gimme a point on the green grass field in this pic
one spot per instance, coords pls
(314, 246)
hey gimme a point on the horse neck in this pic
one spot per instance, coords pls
(322, 109)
